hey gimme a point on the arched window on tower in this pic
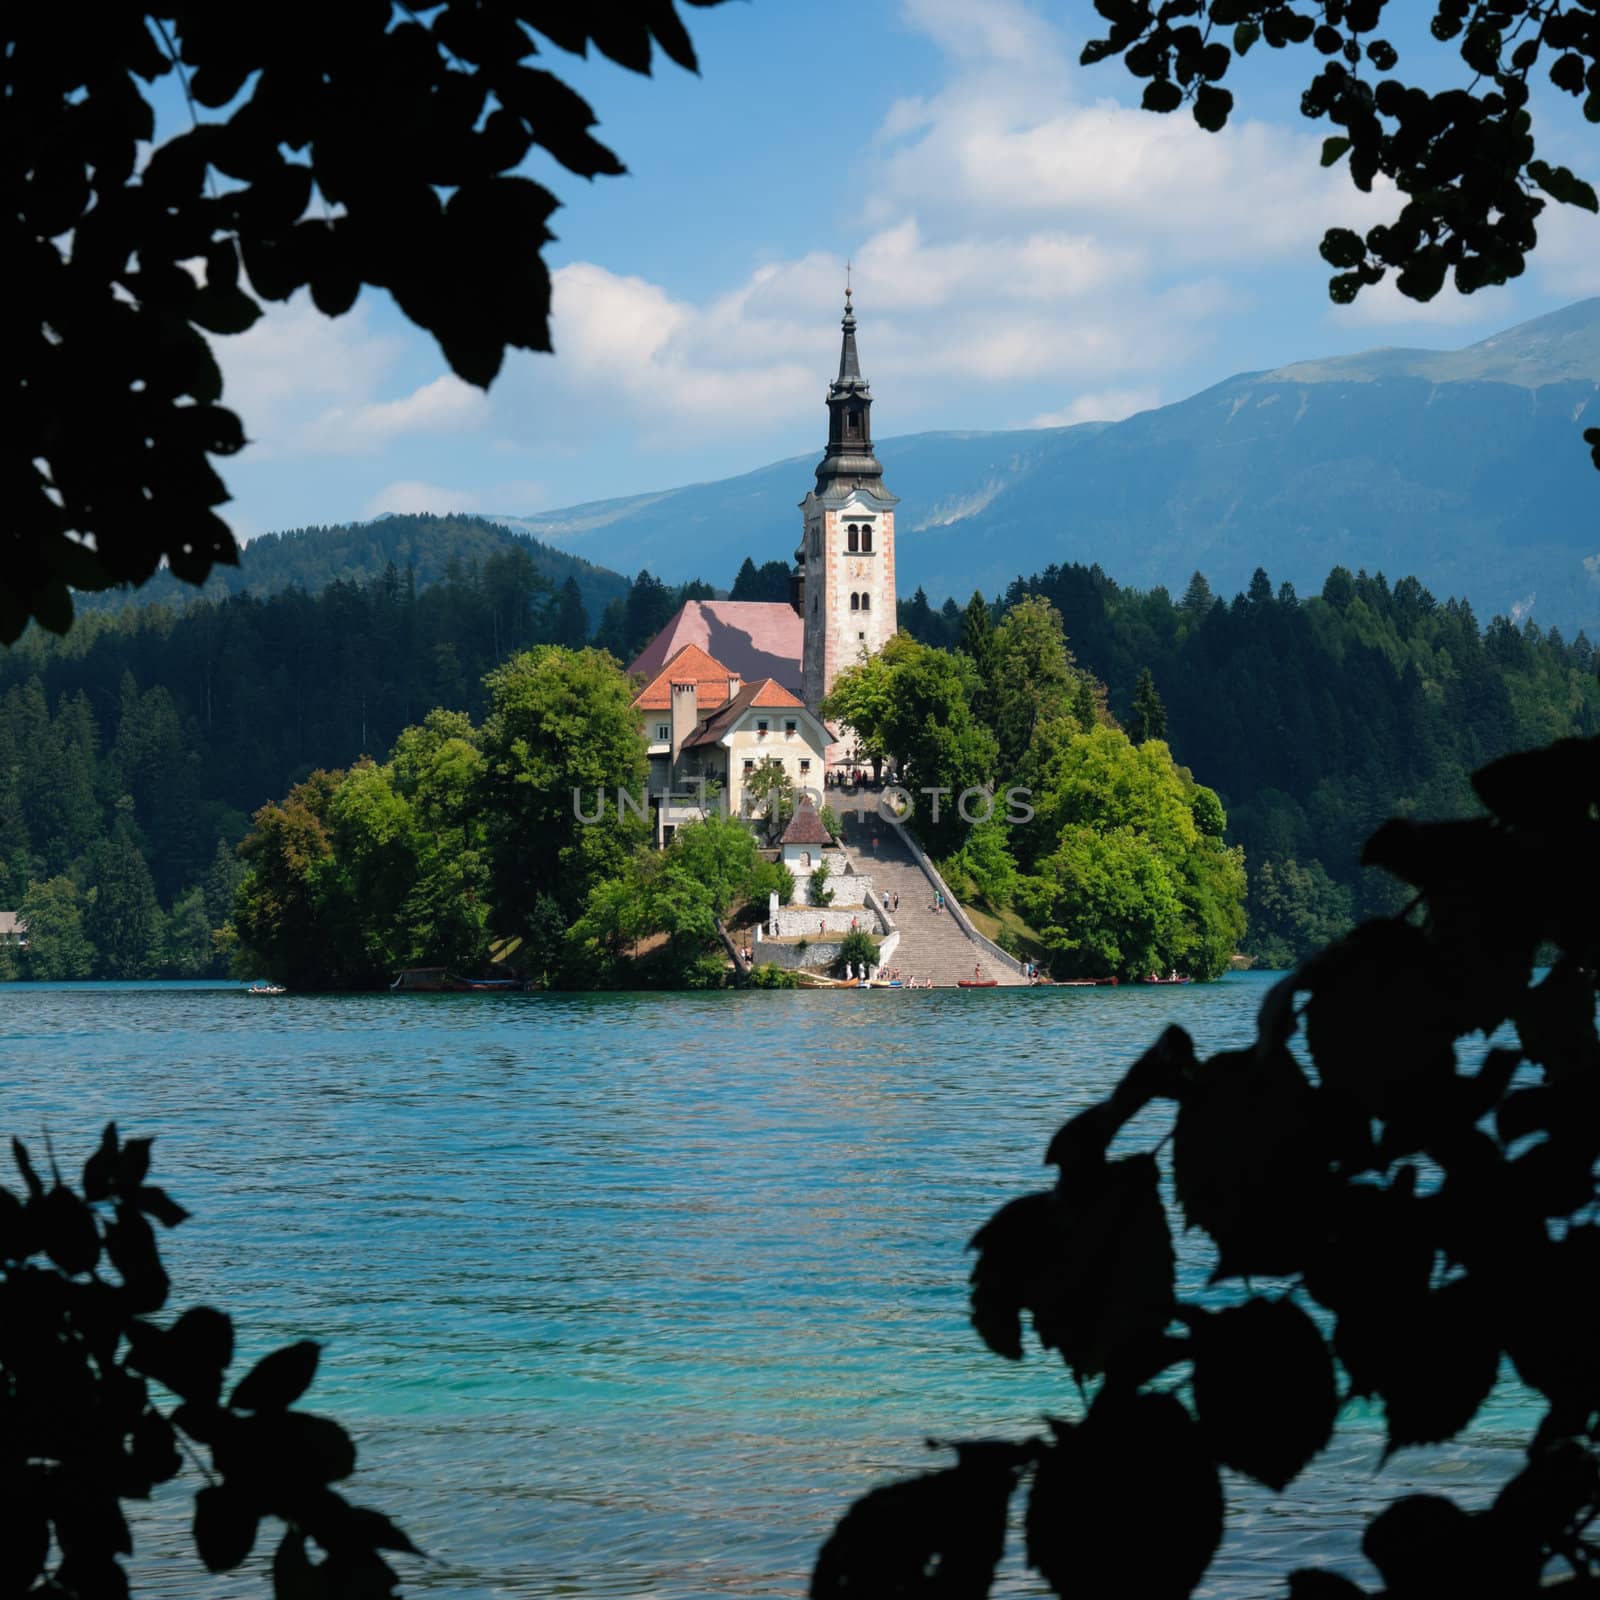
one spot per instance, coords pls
(866, 538)
(866, 602)
(855, 602)
(853, 536)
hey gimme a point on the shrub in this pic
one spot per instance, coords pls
(102, 1404)
(767, 877)
(859, 948)
(771, 976)
(821, 894)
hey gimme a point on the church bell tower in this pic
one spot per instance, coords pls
(844, 585)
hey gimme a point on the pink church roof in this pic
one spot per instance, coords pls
(754, 638)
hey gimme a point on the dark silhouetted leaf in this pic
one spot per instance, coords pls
(939, 1535)
(1087, 1525)
(1264, 1388)
(160, 1205)
(19, 1153)
(1249, 1161)
(99, 1171)
(1092, 1262)
(68, 1232)
(225, 1525)
(277, 1380)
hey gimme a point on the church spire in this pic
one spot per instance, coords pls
(849, 361)
(848, 462)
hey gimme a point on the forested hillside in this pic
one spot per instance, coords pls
(360, 553)
(1315, 719)
(134, 750)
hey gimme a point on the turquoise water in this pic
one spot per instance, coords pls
(630, 1295)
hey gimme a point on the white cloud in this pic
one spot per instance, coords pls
(1568, 258)
(1107, 405)
(445, 405)
(294, 365)
(1382, 305)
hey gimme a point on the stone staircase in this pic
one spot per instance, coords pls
(932, 944)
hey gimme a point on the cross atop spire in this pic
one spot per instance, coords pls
(848, 460)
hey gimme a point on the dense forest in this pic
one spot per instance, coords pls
(137, 747)
(134, 751)
(1314, 719)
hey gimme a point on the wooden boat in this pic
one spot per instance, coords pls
(483, 985)
(977, 983)
(262, 987)
(1083, 983)
(1153, 979)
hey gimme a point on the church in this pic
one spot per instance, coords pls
(719, 664)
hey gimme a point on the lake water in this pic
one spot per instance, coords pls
(630, 1295)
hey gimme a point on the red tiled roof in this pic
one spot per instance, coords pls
(756, 638)
(769, 692)
(691, 664)
(752, 695)
(805, 826)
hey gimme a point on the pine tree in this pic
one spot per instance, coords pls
(746, 586)
(1197, 598)
(1149, 719)
(222, 880)
(1260, 591)
(123, 920)
(571, 625)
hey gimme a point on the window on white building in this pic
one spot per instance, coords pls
(664, 732)
(866, 539)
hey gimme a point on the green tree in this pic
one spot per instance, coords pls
(1294, 910)
(123, 917)
(860, 700)
(278, 910)
(58, 949)
(977, 644)
(718, 853)
(1032, 678)
(930, 728)
(222, 881)
(769, 582)
(570, 626)
(188, 949)
(1197, 599)
(423, 203)
(769, 790)
(1128, 873)
(561, 736)
(1149, 718)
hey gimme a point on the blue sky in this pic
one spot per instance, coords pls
(1030, 250)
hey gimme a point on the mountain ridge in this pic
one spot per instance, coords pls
(1465, 467)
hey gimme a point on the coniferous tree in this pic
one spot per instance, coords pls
(1260, 590)
(745, 583)
(123, 920)
(570, 626)
(1197, 598)
(1149, 719)
(977, 643)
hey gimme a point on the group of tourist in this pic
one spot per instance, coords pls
(869, 973)
(856, 778)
